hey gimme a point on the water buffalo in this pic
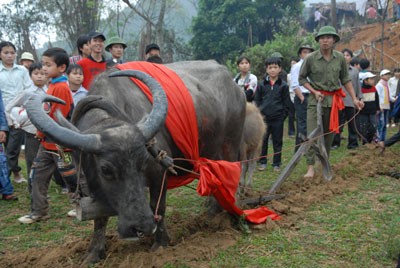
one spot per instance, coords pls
(111, 126)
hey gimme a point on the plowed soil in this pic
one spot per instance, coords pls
(202, 237)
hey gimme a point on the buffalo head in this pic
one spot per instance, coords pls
(112, 149)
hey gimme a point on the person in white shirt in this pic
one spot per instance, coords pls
(318, 18)
(19, 119)
(14, 79)
(301, 96)
(393, 85)
(384, 102)
(75, 79)
(245, 79)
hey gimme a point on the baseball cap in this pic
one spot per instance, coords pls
(150, 47)
(366, 75)
(27, 56)
(384, 71)
(96, 34)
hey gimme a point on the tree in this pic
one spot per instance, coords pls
(220, 28)
(21, 18)
(286, 42)
(153, 13)
(225, 28)
(157, 14)
(73, 18)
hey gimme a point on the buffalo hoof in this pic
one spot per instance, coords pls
(156, 246)
(92, 257)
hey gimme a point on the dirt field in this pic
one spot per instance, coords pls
(203, 237)
(368, 39)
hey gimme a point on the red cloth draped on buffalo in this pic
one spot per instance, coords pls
(217, 177)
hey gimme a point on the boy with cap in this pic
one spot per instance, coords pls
(384, 103)
(301, 96)
(95, 63)
(367, 116)
(323, 73)
(116, 47)
(153, 53)
(82, 44)
(27, 60)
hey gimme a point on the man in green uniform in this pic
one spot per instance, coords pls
(323, 73)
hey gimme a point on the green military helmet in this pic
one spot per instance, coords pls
(277, 55)
(327, 30)
(114, 40)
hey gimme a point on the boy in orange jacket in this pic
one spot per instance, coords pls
(55, 62)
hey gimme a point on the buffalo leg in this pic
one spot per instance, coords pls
(161, 234)
(97, 250)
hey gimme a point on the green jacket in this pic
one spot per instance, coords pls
(324, 75)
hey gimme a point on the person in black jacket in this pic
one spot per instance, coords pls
(273, 100)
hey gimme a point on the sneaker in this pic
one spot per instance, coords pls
(64, 190)
(19, 178)
(30, 218)
(262, 167)
(393, 125)
(277, 168)
(9, 197)
(387, 125)
(72, 213)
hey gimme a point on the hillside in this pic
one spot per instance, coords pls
(366, 40)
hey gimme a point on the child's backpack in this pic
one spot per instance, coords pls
(396, 108)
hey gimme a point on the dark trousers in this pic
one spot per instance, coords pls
(291, 116)
(31, 149)
(274, 129)
(301, 119)
(367, 126)
(347, 115)
(391, 118)
(43, 168)
(392, 140)
(15, 138)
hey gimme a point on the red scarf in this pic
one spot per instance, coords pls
(217, 177)
(337, 105)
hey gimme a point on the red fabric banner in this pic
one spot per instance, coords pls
(217, 177)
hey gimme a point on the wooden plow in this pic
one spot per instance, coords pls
(88, 208)
(320, 150)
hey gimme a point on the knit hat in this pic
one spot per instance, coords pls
(150, 47)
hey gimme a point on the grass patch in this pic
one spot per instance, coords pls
(355, 228)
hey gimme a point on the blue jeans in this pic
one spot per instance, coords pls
(398, 11)
(383, 120)
(5, 184)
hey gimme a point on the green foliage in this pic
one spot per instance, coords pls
(224, 29)
(286, 43)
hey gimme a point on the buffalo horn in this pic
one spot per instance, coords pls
(60, 135)
(158, 114)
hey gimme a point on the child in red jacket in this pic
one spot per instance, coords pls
(55, 62)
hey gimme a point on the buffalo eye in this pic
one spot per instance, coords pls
(107, 171)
